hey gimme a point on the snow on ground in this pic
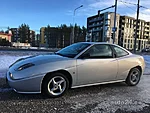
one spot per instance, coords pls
(147, 62)
(6, 61)
(7, 58)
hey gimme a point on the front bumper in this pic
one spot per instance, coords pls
(26, 85)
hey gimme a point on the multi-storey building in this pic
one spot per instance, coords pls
(28, 38)
(99, 27)
(32, 37)
(37, 40)
(147, 34)
(15, 34)
(127, 33)
(42, 36)
(54, 37)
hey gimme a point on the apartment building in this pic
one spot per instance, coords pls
(32, 37)
(99, 27)
(49, 37)
(28, 38)
(54, 37)
(42, 36)
(15, 34)
(37, 40)
(127, 33)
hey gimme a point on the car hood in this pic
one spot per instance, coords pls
(42, 64)
(39, 59)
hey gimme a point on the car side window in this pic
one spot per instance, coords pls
(120, 52)
(100, 51)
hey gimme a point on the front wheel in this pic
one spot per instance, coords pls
(55, 85)
(133, 77)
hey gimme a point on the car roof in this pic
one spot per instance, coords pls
(92, 43)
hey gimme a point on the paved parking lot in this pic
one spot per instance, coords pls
(112, 98)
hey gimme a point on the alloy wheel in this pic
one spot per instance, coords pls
(135, 75)
(57, 85)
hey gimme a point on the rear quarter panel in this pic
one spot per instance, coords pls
(126, 63)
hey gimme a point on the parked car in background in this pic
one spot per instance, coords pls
(78, 65)
(146, 49)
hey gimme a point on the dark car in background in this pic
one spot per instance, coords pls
(146, 49)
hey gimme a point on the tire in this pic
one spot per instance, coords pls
(55, 85)
(133, 77)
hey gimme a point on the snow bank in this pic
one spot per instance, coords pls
(7, 59)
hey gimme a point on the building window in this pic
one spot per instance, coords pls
(124, 45)
(108, 16)
(125, 40)
(106, 28)
(127, 25)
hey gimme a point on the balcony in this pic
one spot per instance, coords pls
(123, 21)
(95, 30)
(147, 25)
(146, 34)
(95, 25)
(96, 19)
(147, 30)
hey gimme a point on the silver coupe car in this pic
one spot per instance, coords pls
(78, 65)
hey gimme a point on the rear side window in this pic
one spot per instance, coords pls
(120, 52)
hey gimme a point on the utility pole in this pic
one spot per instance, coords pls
(137, 18)
(114, 29)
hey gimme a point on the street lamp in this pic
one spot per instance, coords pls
(72, 39)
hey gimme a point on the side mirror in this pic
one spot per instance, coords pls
(86, 55)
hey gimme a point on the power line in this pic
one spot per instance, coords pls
(144, 7)
(127, 2)
(133, 4)
(129, 7)
(134, 9)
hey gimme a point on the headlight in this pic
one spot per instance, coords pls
(25, 66)
(11, 76)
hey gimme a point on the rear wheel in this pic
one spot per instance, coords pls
(133, 77)
(55, 85)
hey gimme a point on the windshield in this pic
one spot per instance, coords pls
(73, 50)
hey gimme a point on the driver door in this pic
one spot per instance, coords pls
(97, 65)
